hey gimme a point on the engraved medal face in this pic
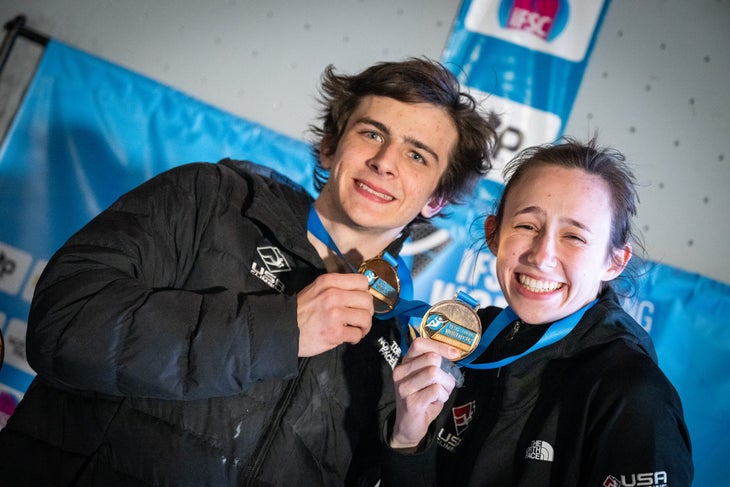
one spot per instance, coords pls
(455, 323)
(383, 283)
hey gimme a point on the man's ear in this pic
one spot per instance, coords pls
(433, 207)
(619, 260)
(325, 156)
(491, 233)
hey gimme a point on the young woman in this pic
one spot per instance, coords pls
(567, 390)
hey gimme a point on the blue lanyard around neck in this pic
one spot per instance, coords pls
(406, 306)
(507, 316)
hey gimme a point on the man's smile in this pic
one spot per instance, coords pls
(374, 192)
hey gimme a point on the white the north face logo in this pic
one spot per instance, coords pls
(540, 450)
(390, 351)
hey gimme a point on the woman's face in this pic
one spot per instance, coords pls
(552, 245)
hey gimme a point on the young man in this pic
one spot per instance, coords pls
(209, 328)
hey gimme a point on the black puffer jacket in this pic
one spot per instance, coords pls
(165, 339)
(593, 409)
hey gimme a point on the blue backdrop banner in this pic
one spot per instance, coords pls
(88, 131)
(527, 58)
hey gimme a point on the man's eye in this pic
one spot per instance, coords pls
(417, 157)
(370, 134)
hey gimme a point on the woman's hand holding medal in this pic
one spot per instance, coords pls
(422, 387)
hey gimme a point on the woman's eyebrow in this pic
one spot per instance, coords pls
(537, 210)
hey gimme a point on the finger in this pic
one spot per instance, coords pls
(417, 379)
(353, 334)
(434, 394)
(357, 317)
(358, 300)
(345, 299)
(423, 345)
(350, 281)
(421, 401)
(362, 326)
(419, 363)
(415, 363)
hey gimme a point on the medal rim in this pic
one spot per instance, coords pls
(462, 352)
(366, 264)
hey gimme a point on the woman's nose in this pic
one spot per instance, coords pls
(542, 254)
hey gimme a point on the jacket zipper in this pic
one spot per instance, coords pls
(267, 439)
(513, 332)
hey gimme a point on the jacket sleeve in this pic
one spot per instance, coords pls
(401, 469)
(114, 312)
(638, 430)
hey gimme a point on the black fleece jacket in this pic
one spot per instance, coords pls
(165, 339)
(593, 409)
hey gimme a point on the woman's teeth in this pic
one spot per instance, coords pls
(538, 286)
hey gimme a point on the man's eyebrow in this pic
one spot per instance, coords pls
(410, 140)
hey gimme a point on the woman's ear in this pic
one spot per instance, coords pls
(491, 233)
(433, 207)
(619, 260)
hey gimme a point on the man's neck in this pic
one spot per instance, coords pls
(355, 244)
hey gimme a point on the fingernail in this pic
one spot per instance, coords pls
(453, 352)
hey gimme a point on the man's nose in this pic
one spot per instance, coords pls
(385, 162)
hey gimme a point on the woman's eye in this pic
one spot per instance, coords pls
(576, 238)
(525, 226)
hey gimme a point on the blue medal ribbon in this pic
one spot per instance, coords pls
(555, 332)
(405, 306)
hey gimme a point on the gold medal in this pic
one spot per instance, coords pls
(454, 322)
(383, 282)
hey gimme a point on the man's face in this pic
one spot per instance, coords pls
(387, 165)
